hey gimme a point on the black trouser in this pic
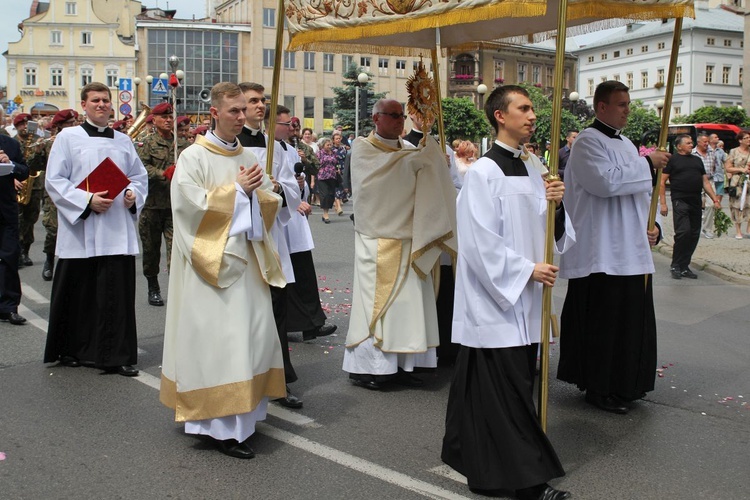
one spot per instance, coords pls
(687, 232)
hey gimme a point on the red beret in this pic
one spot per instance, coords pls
(183, 120)
(127, 117)
(295, 121)
(62, 116)
(119, 125)
(23, 117)
(150, 119)
(162, 109)
(200, 130)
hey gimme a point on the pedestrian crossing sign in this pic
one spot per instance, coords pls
(159, 87)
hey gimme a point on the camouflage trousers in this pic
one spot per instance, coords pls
(154, 223)
(27, 217)
(49, 221)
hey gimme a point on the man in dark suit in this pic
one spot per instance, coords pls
(564, 152)
(10, 248)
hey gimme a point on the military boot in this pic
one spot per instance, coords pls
(49, 267)
(154, 292)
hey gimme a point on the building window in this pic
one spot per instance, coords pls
(310, 61)
(549, 71)
(710, 41)
(268, 57)
(365, 63)
(740, 75)
(70, 9)
(290, 61)
(55, 37)
(677, 111)
(269, 18)
(603, 78)
(346, 62)
(591, 86)
(604, 56)
(383, 66)
(644, 48)
(85, 38)
(660, 45)
(309, 111)
(521, 72)
(616, 77)
(591, 59)
(725, 72)
(289, 102)
(629, 52)
(644, 79)
(87, 76)
(727, 42)
(536, 74)
(678, 75)
(111, 75)
(328, 63)
(29, 77)
(499, 71)
(709, 73)
(660, 75)
(56, 77)
(400, 67)
(327, 113)
(616, 54)
(566, 78)
(629, 78)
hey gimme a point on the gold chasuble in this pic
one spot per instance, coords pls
(406, 217)
(222, 354)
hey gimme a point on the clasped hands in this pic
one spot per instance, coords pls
(99, 202)
(250, 179)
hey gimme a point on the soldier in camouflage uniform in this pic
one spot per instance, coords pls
(157, 155)
(62, 119)
(28, 214)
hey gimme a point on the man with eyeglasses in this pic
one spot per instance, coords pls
(285, 185)
(405, 205)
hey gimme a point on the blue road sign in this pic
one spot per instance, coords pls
(160, 87)
(126, 84)
(125, 109)
(12, 106)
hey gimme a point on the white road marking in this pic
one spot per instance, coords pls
(292, 417)
(33, 318)
(446, 471)
(358, 464)
(31, 294)
(149, 380)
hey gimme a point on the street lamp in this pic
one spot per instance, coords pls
(137, 82)
(659, 106)
(149, 82)
(362, 78)
(481, 90)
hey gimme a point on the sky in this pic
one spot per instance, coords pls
(15, 11)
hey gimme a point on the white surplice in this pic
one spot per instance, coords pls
(501, 235)
(74, 155)
(297, 231)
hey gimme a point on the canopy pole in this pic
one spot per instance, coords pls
(271, 131)
(557, 95)
(664, 131)
(438, 94)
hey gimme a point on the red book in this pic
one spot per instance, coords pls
(105, 177)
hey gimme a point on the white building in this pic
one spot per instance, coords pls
(709, 67)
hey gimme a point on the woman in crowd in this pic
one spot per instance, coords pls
(736, 168)
(327, 173)
(308, 138)
(340, 150)
(466, 154)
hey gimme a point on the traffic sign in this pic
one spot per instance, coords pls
(125, 109)
(12, 106)
(126, 84)
(125, 96)
(159, 87)
(18, 100)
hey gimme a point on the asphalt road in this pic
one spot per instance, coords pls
(76, 433)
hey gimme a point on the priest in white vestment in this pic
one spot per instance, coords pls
(492, 434)
(405, 205)
(222, 357)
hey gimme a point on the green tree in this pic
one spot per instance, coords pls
(344, 101)
(641, 120)
(462, 120)
(731, 115)
(543, 110)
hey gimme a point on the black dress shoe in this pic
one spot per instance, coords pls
(290, 401)
(552, 494)
(70, 361)
(606, 403)
(326, 330)
(154, 298)
(408, 379)
(687, 273)
(542, 492)
(13, 318)
(675, 273)
(24, 260)
(47, 271)
(124, 370)
(235, 449)
(365, 380)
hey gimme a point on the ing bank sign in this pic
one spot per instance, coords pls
(44, 93)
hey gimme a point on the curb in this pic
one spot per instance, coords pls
(707, 267)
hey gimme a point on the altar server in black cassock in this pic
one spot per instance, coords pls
(92, 311)
(492, 434)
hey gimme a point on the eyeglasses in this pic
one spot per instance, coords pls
(395, 116)
(285, 124)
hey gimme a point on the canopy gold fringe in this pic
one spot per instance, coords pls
(328, 36)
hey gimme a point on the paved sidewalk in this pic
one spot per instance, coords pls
(725, 257)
